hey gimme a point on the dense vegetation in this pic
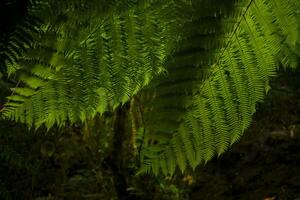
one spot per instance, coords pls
(124, 89)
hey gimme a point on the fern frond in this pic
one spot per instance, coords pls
(15, 42)
(76, 74)
(205, 64)
(217, 110)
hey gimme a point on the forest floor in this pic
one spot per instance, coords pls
(265, 163)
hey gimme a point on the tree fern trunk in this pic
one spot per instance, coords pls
(116, 157)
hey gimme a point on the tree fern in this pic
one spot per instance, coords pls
(15, 34)
(217, 110)
(111, 58)
(198, 67)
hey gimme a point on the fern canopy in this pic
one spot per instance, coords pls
(208, 99)
(198, 67)
(80, 65)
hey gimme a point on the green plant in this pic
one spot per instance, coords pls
(192, 70)
(17, 26)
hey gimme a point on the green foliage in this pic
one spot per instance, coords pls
(205, 66)
(16, 35)
(192, 120)
(83, 65)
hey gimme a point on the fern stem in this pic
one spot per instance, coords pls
(143, 125)
(234, 32)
